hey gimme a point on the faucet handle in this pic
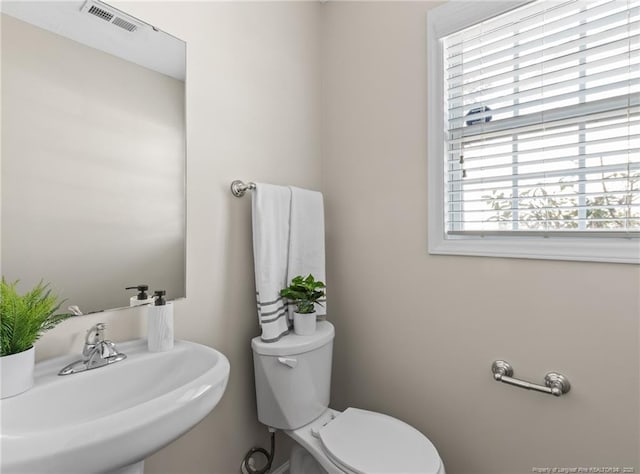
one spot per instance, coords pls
(95, 334)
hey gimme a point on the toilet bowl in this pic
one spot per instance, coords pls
(358, 442)
(293, 379)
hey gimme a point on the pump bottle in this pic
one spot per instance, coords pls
(142, 297)
(160, 324)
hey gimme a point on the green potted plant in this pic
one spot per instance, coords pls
(305, 293)
(23, 319)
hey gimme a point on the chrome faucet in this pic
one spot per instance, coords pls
(97, 352)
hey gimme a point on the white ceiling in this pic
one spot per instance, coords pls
(146, 46)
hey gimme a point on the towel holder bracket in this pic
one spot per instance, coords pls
(239, 188)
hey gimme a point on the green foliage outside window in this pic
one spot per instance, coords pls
(537, 209)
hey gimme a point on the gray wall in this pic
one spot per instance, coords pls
(416, 334)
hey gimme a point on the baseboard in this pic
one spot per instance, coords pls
(283, 469)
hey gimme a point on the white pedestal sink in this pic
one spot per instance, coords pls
(111, 418)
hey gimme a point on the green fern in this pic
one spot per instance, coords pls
(23, 318)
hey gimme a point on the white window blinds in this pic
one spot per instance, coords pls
(542, 122)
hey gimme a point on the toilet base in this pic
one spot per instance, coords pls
(301, 462)
(304, 438)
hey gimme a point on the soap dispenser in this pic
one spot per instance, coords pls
(160, 324)
(142, 297)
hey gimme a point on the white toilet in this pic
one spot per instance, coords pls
(293, 379)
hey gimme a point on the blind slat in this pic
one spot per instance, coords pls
(545, 174)
(610, 194)
(539, 182)
(620, 234)
(611, 107)
(631, 208)
(547, 183)
(550, 132)
(621, 148)
(543, 221)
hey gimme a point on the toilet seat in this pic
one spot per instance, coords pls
(364, 442)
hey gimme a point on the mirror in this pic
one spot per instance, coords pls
(93, 153)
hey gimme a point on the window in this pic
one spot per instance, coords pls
(534, 129)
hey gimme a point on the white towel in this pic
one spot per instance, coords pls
(271, 208)
(306, 240)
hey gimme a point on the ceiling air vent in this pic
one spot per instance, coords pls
(100, 13)
(124, 24)
(111, 15)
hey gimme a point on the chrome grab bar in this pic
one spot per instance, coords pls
(554, 383)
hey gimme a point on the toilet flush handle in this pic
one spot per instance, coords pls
(288, 361)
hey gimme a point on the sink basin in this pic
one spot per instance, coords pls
(108, 418)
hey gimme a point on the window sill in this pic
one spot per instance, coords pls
(613, 250)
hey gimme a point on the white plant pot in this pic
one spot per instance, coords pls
(304, 324)
(16, 373)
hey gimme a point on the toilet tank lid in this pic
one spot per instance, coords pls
(292, 344)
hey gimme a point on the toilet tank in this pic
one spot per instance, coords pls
(293, 377)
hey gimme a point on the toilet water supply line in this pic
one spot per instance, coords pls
(248, 465)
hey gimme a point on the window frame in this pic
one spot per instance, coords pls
(442, 21)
